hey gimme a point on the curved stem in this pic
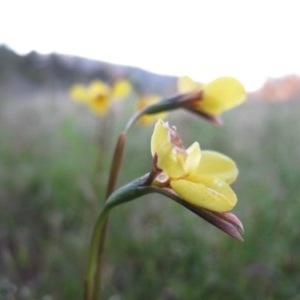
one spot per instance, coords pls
(172, 103)
(90, 282)
(98, 263)
(126, 193)
(93, 279)
(113, 175)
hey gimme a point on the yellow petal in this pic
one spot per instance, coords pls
(159, 136)
(98, 88)
(221, 94)
(78, 93)
(167, 159)
(217, 165)
(211, 193)
(186, 84)
(121, 89)
(193, 158)
(171, 164)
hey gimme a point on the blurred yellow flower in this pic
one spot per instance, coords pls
(145, 101)
(219, 95)
(200, 178)
(79, 93)
(121, 88)
(99, 94)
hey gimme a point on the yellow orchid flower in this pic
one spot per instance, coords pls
(145, 101)
(201, 178)
(218, 95)
(98, 94)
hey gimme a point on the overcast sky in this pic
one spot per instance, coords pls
(251, 40)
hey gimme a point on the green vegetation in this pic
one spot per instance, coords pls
(51, 189)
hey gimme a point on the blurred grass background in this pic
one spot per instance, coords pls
(51, 190)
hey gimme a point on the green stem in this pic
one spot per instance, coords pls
(113, 176)
(99, 260)
(99, 229)
(127, 193)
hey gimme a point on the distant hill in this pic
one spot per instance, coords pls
(19, 74)
(23, 74)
